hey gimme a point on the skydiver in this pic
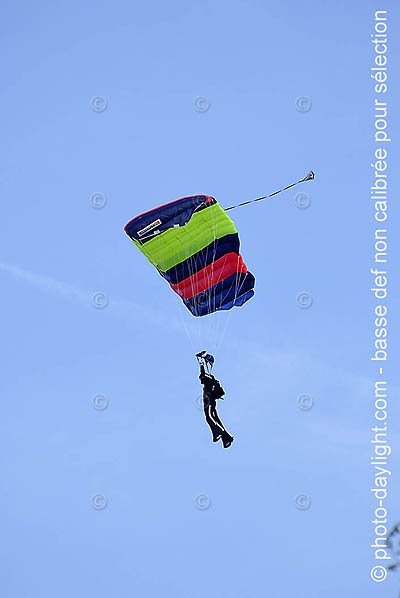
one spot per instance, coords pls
(212, 390)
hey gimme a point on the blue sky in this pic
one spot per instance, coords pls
(149, 452)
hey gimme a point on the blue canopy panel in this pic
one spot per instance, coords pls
(233, 291)
(174, 214)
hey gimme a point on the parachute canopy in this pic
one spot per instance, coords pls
(195, 246)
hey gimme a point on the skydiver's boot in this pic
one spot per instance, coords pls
(227, 439)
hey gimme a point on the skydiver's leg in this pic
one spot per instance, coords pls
(227, 439)
(215, 416)
(216, 426)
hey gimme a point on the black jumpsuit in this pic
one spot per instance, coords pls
(212, 390)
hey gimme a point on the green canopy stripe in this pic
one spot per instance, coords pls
(178, 244)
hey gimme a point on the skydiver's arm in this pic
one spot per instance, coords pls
(202, 374)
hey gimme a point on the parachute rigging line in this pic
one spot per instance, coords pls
(309, 177)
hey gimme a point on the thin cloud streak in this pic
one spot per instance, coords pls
(118, 307)
(45, 283)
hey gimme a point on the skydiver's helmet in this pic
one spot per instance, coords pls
(208, 359)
